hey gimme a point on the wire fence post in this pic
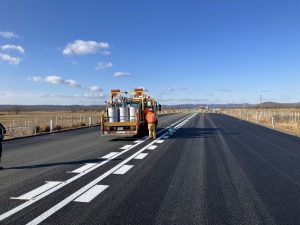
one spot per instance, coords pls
(90, 121)
(51, 125)
(273, 121)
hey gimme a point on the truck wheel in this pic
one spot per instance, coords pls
(143, 130)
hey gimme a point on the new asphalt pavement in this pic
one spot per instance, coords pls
(214, 169)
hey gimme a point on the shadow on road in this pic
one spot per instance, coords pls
(136, 137)
(130, 139)
(199, 133)
(57, 164)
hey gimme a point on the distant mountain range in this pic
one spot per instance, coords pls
(232, 106)
(18, 108)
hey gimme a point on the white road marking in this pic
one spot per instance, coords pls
(124, 169)
(75, 195)
(159, 141)
(137, 141)
(109, 155)
(38, 191)
(91, 194)
(165, 137)
(84, 168)
(141, 156)
(32, 201)
(152, 147)
(126, 147)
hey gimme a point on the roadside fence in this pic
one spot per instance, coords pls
(39, 125)
(283, 119)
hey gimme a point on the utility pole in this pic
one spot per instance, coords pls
(260, 101)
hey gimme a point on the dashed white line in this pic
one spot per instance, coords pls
(124, 169)
(159, 141)
(126, 147)
(84, 168)
(141, 156)
(109, 155)
(152, 147)
(81, 191)
(75, 195)
(91, 194)
(38, 191)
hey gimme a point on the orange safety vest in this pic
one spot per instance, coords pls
(146, 111)
(150, 117)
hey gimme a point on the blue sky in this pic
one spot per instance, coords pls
(212, 51)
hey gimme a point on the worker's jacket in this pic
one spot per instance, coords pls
(2, 132)
(2, 129)
(150, 117)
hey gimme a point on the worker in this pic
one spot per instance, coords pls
(2, 133)
(151, 120)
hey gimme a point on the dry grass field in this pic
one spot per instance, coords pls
(37, 122)
(31, 122)
(287, 120)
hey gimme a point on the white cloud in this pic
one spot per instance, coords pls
(210, 94)
(80, 47)
(9, 59)
(96, 96)
(95, 88)
(183, 100)
(224, 90)
(75, 96)
(72, 83)
(103, 65)
(36, 79)
(121, 74)
(53, 80)
(8, 35)
(177, 88)
(13, 47)
(57, 80)
(24, 98)
(171, 90)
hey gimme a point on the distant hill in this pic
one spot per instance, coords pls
(234, 106)
(279, 105)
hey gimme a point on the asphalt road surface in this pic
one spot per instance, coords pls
(214, 169)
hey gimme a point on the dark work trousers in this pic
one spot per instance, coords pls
(1, 139)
